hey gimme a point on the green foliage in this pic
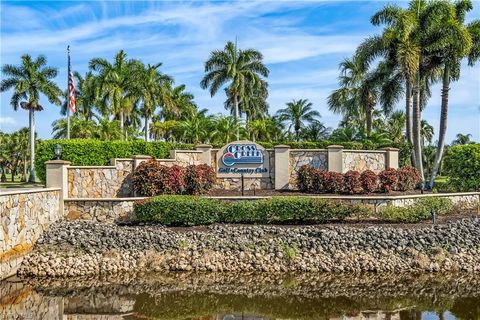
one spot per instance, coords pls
(421, 210)
(192, 210)
(462, 166)
(95, 152)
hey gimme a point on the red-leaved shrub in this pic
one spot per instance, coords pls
(408, 178)
(369, 181)
(333, 182)
(305, 178)
(388, 179)
(199, 179)
(173, 182)
(351, 182)
(148, 178)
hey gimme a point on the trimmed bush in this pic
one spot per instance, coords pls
(199, 179)
(192, 210)
(90, 152)
(333, 182)
(151, 178)
(369, 181)
(408, 178)
(421, 210)
(351, 182)
(305, 178)
(388, 179)
(462, 166)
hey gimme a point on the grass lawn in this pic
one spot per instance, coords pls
(17, 184)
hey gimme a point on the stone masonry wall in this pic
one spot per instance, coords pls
(316, 158)
(24, 216)
(104, 210)
(361, 161)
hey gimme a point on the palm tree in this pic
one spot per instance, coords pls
(315, 131)
(225, 129)
(182, 104)
(242, 69)
(296, 114)
(357, 95)
(116, 83)
(427, 132)
(396, 126)
(108, 130)
(80, 128)
(28, 80)
(462, 139)
(459, 38)
(343, 134)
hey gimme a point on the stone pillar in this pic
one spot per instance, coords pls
(206, 156)
(57, 177)
(391, 158)
(335, 158)
(282, 166)
(139, 159)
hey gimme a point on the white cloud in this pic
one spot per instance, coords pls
(7, 121)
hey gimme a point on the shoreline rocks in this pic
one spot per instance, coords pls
(85, 248)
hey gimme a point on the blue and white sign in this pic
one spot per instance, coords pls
(243, 158)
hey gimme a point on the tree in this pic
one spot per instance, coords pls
(357, 95)
(427, 132)
(80, 128)
(462, 139)
(85, 96)
(296, 114)
(28, 81)
(458, 39)
(241, 69)
(315, 131)
(116, 83)
(225, 129)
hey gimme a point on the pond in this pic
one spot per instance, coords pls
(203, 296)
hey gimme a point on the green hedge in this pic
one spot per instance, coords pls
(421, 210)
(192, 211)
(462, 166)
(96, 152)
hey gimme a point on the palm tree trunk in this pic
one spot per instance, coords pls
(443, 125)
(408, 112)
(237, 114)
(122, 129)
(31, 120)
(24, 177)
(369, 119)
(417, 144)
(146, 127)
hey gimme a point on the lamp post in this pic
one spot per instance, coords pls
(58, 151)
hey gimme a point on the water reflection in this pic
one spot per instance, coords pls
(232, 296)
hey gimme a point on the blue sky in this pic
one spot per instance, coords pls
(302, 43)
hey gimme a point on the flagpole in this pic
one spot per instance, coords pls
(68, 93)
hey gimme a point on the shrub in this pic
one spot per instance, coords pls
(421, 210)
(151, 178)
(90, 152)
(369, 181)
(193, 210)
(462, 166)
(408, 178)
(388, 179)
(351, 182)
(305, 178)
(199, 179)
(333, 182)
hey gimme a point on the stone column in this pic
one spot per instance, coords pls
(139, 159)
(335, 158)
(57, 177)
(206, 156)
(391, 158)
(282, 166)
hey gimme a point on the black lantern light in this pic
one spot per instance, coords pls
(58, 151)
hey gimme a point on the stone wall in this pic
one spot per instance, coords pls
(99, 210)
(363, 160)
(316, 158)
(24, 216)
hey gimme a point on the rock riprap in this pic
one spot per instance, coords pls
(86, 248)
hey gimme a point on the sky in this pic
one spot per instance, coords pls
(302, 44)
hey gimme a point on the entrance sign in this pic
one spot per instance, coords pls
(243, 157)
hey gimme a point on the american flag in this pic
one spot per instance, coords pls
(71, 86)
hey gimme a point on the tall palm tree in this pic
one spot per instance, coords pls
(116, 81)
(181, 104)
(296, 114)
(241, 69)
(357, 95)
(28, 81)
(459, 38)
